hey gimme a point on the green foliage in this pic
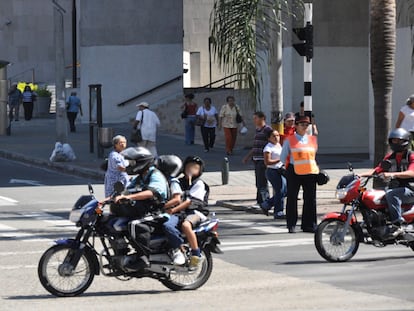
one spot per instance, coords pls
(239, 27)
(43, 92)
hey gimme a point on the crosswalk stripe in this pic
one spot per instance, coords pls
(5, 201)
(260, 226)
(247, 245)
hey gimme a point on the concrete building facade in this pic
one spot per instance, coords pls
(132, 46)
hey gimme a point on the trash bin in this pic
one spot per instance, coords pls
(105, 135)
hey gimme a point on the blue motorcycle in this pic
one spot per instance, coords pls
(69, 267)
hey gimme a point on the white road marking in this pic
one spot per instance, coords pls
(52, 219)
(247, 245)
(260, 226)
(18, 267)
(5, 201)
(23, 253)
(10, 232)
(25, 182)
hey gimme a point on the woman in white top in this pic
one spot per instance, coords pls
(271, 153)
(406, 117)
(208, 130)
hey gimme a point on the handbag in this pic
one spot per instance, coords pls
(200, 120)
(136, 135)
(239, 118)
(184, 114)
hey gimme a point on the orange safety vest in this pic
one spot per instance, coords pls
(304, 155)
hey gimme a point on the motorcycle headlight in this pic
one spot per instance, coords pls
(75, 215)
(341, 193)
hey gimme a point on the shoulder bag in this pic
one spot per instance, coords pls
(136, 135)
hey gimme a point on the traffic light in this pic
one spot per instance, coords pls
(305, 34)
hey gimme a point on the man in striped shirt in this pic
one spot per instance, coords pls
(256, 155)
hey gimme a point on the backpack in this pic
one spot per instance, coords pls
(197, 204)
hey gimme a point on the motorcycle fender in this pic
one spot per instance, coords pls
(74, 244)
(340, 216)
(212, 244)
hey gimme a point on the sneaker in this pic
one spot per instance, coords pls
(280, 215)
(195, 261)
(265, 209)
(178, 257)
(396, 232)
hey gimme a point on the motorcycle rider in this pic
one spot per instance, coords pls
(401, 175)
(148, 191)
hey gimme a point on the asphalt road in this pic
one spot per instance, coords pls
(262, 268)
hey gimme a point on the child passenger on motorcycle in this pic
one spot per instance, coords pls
(192, 209)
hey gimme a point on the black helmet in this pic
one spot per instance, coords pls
(169, 165)
(141, 158)
(194, 159)
(401, 134)
(322, 178)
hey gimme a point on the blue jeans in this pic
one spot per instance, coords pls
(395, 197)
(172, 232)
(279, 190)
(189, 129)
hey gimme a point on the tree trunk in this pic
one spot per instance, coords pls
(382, 37)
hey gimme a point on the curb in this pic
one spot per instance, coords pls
(61, 167)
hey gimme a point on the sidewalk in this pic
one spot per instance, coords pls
(32, 142)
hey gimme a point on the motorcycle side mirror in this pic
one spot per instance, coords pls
(90, 189)
(350, 167)
(385, 165)
(118, 187)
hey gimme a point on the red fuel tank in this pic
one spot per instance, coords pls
(374, 199)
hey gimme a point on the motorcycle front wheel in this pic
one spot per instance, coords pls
(185, 279)
(333, 244)
(59, 277)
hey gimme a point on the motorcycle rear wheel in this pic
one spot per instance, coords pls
(328, 242)
(190, 280)
(59, 278)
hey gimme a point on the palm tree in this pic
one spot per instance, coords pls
(239, 29)
(383, 43)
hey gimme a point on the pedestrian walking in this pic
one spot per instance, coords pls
(256, 154)
(298, 155)
(312, 128)
(14, 100)
(229, 118)
(406, 119)
(148, 122)
(116, 170)
(271, 154)
(209, 116)
(28, 98)
(73, 106)
(189, 110)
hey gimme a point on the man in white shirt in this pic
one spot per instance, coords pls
(148, 122)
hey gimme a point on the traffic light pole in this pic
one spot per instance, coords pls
(307, 62)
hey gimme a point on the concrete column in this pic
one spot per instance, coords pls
(3, 97)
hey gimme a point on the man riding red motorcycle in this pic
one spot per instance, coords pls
(397, 168)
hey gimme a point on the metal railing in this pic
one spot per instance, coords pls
(223, 82)
(149, 91)
(23, 72)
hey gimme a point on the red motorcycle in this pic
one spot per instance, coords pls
(338, 236)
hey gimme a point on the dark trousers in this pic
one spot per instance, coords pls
(28, 110)
(209, 136)
(308, 183)
(261, 181)
(72, 118)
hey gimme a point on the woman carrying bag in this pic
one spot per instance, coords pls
(207, 118)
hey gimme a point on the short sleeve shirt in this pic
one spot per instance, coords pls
(408, 121)
(228, 116)
(275, 151)
(210, 116)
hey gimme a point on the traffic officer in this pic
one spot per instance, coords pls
(298, 155)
